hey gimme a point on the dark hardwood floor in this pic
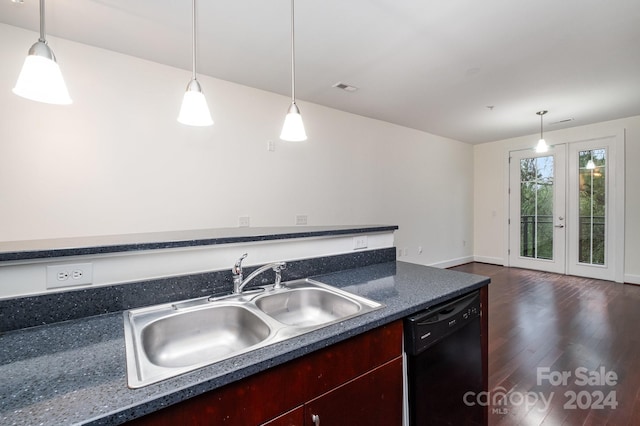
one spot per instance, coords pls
(541, 322)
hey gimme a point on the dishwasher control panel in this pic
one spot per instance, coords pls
(427, 327)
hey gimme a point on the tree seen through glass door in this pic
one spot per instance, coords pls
(592, 199)
(536, 207)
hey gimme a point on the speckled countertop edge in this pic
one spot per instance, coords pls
(61, 247)
(74, 372)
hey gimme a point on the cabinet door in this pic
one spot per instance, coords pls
(372, 399)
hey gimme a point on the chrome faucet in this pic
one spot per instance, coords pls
(239, 282)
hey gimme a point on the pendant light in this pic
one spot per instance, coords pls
(590, 164)
(293, 128)
(40, 78)
(542, 144)
(194, 110)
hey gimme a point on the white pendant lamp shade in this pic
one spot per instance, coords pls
(591, 165)
(40, 79)
(542, 144)
(293, 128)
(194, 110)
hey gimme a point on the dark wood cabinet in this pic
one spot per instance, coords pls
(374, 398)
(359, 375)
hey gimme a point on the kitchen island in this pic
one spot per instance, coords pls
(74, 372)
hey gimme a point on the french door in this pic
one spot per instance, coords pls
(537, 223)
(595, 212)
(566, 209)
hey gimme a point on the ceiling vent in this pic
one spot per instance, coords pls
(345, 87)
(566, 120)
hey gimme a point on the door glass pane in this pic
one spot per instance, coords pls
(592, 198)
(536, 207)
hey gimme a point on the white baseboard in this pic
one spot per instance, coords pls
(632, 279)
(452, 262)
(491, 260)
(628, 278)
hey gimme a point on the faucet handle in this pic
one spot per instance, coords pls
(237, 268)
(277, 268)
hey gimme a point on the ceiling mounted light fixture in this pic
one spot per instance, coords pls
(40, 79)
(194, 110)
(542, 144)
(293, 128)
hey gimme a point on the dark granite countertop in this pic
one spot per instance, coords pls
(74, 372)
(60, 247)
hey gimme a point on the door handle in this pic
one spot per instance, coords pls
(559, 226)
(315, 419)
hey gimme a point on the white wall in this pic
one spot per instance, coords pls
(117, 161)
(489, 185)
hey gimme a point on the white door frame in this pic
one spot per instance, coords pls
(619, 169)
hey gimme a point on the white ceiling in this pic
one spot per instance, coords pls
(429, 65)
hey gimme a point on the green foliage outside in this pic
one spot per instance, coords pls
(536, 207)
(592, 205)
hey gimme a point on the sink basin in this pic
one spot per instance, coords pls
(166, 340)
(307, 306)
(201, 335)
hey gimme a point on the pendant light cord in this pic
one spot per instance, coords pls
(541, 113)
(193, 39)
(42, 32)
(293, 56)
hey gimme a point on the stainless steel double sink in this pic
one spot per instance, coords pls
(166, 340)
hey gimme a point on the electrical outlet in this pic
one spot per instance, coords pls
(360, 242)
(243, 221)
(69, 275)
(271, 146)
(301, 219)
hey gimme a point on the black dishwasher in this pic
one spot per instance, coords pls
(444, 362)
